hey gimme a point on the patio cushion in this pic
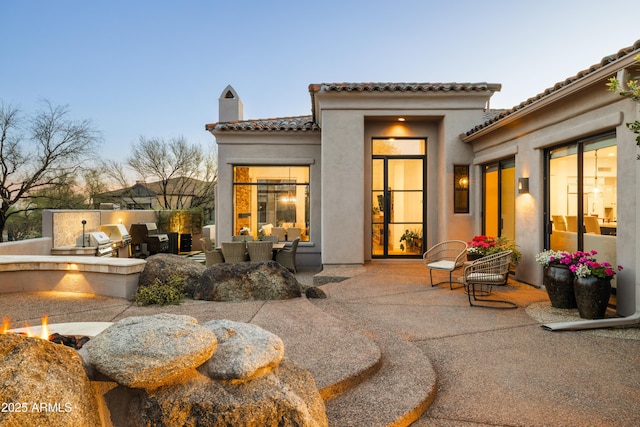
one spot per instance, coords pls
(442, 265)
(485, 277)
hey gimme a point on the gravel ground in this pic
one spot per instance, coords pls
(543, 312)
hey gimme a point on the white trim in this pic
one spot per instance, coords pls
(270, 161)
(493, 155)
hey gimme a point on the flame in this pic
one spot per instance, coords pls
(27, 329)
(44, 328)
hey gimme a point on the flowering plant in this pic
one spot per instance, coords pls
(482, 245)
(487, 245)
(587, 266)
(551, 257)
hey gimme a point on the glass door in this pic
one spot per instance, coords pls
(581, 198)
(398, 211)
(499, 199)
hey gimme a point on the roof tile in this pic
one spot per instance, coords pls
(405, 87)
(287, 124)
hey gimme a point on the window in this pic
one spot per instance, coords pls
(581, 206)
(460, 188)
(265, 197)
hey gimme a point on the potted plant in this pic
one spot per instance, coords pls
(411, 240)
(592, 285)
(558, 278)
(480, 246)
(483, 245)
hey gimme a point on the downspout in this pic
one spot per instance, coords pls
(634, 319)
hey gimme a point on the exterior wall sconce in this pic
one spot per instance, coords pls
(523, 185)
(460, 189)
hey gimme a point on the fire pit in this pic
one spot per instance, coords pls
(74, 334)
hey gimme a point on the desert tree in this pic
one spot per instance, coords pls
(44, 151)
(185, 173)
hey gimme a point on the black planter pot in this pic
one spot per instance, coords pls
(473, 257)
(558, 281)
(592, 296)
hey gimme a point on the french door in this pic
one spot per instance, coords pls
(499, 199)
(398, 209)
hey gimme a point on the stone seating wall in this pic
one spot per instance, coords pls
(115, 277)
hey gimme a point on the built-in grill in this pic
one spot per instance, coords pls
(146, 240)
(120, 238)
(98, 240)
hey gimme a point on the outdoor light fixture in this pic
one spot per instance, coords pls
(523, 185)
(401, 119)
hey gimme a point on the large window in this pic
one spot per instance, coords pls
(582, 185)
(271, 199)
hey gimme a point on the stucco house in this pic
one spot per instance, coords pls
(378, 165)
(175, 193)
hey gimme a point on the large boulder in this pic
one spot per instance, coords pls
(164, 266)
(286, 397)
(247, 281)
(151, 351)
(44, 384)
(244, 351)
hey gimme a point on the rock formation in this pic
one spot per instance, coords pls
(151, 351)
(247, 281)
(163, 266)
(44, 384)
(286, 397)
(244, 351)
(241, 378)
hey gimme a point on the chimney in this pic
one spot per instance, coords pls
(230, 106)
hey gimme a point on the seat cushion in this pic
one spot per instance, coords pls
(486, 277)
(442, 265)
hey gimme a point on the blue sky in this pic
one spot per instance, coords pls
(157, 68)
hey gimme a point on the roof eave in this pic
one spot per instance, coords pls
(605, 72)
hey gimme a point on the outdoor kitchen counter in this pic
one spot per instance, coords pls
(117, 277)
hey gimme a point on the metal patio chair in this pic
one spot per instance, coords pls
(445, 256)
(482, 275)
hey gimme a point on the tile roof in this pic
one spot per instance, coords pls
(404, 87)
(558, 86)
(287, 124)
(307, 123)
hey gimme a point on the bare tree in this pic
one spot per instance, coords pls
(185, 173)
(94, 184)
(38, 152)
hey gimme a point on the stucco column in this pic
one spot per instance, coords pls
(342, 187)
(628, 292)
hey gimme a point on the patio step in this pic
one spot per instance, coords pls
(397, 394)
(338, 357)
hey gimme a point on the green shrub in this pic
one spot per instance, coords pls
(161, 293)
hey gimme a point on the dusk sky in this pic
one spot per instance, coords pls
(157, 68)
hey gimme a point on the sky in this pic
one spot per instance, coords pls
(156, 68)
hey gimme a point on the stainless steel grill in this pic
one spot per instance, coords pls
(98, 240)
(120, 238)
(146, 240)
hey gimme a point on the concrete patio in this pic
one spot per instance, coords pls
(386, 348)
